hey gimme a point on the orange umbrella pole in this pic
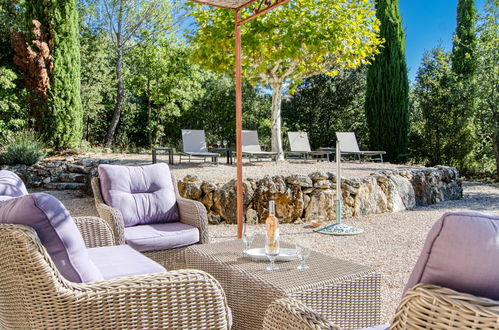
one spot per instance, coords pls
(239, 127)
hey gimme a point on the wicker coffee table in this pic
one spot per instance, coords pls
(344, 292)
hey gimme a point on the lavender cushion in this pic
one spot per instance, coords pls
(57, 232)
(143, 194)
(122, 260)
(11, 185)
(461, 252)
(161, 236)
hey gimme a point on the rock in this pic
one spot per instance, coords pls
(321, 206)
(72, 177)
(69, 159)
(207, 200)
(189, 189)
(208, 187)
(214, 219)
(303, 181)
(46, 180)
(190, 178)
(370, 198)
(400, 194)
(64, 186)
(322, 184)
(78, 169)
(251, 216)
(318, 176)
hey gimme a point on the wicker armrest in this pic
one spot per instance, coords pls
(95, 231)
(194, 213)
(290, 314)
(186, 299)
(111, 215)
(432, 307)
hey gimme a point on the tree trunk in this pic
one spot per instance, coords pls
(276, 119)
(119, 92)
(119, 101)
(496, 152)
(149, 114)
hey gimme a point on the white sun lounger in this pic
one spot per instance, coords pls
(349, 146)
(251, 147)
(194, 145)
(300, 147)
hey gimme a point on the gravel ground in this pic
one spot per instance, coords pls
(223, 173)
(390, 243)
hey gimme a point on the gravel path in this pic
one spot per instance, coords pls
(391, 242)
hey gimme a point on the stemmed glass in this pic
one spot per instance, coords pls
(271, 253)
(248, 236)
(302, 252)
(225, 143)
(219, 144)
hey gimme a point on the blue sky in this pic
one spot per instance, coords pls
(428, 23)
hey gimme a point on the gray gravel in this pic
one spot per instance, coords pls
(391, 242)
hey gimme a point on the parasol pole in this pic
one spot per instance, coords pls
(239, 125)
(338, 228)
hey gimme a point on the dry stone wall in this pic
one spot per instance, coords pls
(299, 198)
(302, 198)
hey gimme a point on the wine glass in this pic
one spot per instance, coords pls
(225, 143)
(248, 236)
(302, 252)
(271, 253)
(219, 144)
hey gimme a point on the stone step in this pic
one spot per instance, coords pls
(73, 177)
(64, 185)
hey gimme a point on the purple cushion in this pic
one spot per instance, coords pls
(57, 232)
(461, 252)
(161, 236)
(122, 260)
(11, 185)
(143, 194)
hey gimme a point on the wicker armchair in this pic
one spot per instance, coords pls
(34, 295)
(423, 307)
(191, 212)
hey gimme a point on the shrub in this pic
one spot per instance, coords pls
(24, 148)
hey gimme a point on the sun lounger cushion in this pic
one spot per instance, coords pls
(11, 185)
(121, 260)
(57, 233)
(161, 236)
(143, 194)
(461, 252)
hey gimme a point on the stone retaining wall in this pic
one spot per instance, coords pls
(302, 198)
(299, 198)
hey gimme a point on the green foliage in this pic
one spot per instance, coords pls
(13, 113)
(98, 90)
(165, 83)
(431, 139)
(387, 95)
(486, 119)
(23, 148)
(323, 105)
(295, 41)
(464, 46)
(62, 125)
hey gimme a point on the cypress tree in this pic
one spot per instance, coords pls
(464, 65)
(387, 94)
(63, 120)
(463, 57)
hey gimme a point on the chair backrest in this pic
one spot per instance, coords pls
(250, 141)
(348, 141)
(11, 185)
(461, 252)
(194, 140)
(57, 232)
(143, 194)
(298, 141)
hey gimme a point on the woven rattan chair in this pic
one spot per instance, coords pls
(191, 212)
(423, 307)
(34, 295)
